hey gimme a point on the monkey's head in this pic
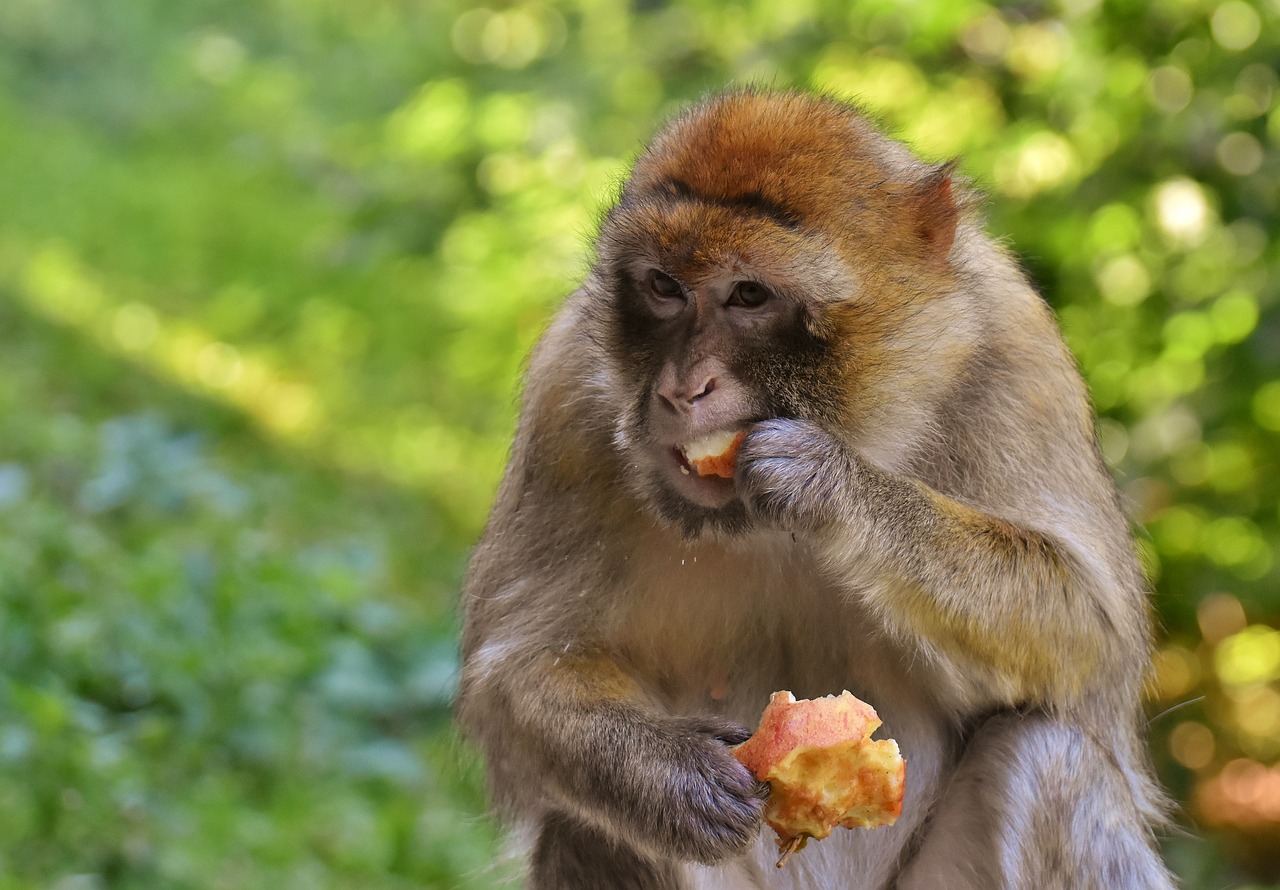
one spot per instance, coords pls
(772, 255)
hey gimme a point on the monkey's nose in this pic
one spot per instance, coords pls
(681, 396)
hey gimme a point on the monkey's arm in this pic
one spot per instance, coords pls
(1016, 612)
(573, 735)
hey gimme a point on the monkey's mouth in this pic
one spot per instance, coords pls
(714, 454)
(704, 467)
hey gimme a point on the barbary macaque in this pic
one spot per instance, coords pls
(916, 512)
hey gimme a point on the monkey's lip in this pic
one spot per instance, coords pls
(706, 491)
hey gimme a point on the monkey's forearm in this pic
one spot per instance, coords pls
(1004, 602)
(580, 731)
(979, 588)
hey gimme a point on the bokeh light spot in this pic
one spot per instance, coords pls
(1220, 615)
(986, 38)
(1245, 794)
(1235, 542)
(1179, 530)
(1192, 745)
(503, 173)
(1114, 227)
(1037, 49)
(1123, 280)
(1240, 154)
(1250, 656)
(1234, 316)
(1257, 711)
(217, 57)
(1232, 467)
(1235, 25)
(1170, 88)
(1182, 210)
(1266, 406)
(511, 38)
(1175, 671)
(1042, 161)
(1188, 335)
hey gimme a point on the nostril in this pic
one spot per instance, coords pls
(680, 398)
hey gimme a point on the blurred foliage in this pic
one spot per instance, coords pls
(267, 274)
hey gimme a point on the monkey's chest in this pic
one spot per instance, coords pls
(715, 631)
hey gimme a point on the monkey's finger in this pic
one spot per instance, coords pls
(718, 728)
(732, 734)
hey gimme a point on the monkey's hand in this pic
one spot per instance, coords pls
(692, 800)
(793, 474)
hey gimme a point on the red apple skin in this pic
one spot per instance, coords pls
(823, 767)
(787, 724)
(721, 465)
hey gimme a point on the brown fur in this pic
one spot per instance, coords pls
(919, 514)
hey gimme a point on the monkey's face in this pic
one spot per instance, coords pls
(714, 329)
(774, 260)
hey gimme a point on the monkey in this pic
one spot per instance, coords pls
(918, 513)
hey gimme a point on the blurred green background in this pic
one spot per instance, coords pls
(268, 269)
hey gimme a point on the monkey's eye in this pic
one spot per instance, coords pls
(664, 286)
(749, 295)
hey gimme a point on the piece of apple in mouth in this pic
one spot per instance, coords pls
(714, 454)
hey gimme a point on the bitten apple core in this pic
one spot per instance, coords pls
(823, 767)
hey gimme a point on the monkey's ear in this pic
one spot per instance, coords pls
(932, 213)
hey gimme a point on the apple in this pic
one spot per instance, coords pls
(715, 454)
(823, 767)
